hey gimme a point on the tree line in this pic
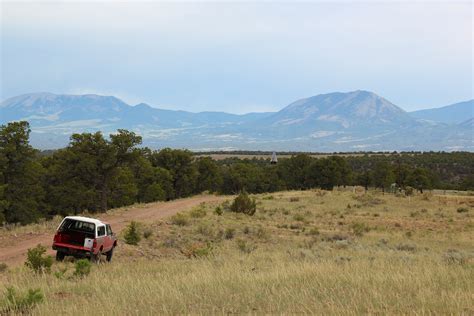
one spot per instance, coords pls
(96, 173)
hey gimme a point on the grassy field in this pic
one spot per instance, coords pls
(313, 251)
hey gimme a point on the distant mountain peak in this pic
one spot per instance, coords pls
(30, 99)
(142, 105)
(344, 108)
(49, 107)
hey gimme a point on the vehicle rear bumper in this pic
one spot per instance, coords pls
(73, 250)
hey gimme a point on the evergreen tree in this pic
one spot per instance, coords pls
(123, 188)
(365, 179)
(468, 183)
(83, 175)
(21, 191)
(294, 171)
(181, 167)
(419, 179)
(383, 175)
(209, 175)
(324, 173)
(3, 186)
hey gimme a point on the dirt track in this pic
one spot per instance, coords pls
(15, 252)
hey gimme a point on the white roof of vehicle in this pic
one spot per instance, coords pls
(85, 219)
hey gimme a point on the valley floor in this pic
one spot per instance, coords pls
(315, 252)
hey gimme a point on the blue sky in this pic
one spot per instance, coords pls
(239, 56)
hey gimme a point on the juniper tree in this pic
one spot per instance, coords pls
(21, 192)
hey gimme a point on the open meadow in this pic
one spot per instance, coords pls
(314, 251)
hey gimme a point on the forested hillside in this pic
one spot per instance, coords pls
(96, 173)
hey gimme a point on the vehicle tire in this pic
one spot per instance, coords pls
(60, 255)
(110, 254)
(96, 257)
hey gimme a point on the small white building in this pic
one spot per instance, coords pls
(274, 159)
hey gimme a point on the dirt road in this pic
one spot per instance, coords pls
(15, 252)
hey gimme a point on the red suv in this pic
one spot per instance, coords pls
(83, 237)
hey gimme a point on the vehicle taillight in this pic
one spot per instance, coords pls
(94, 244)
(56, 238)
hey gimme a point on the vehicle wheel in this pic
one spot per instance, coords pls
(110, 254)
(96, 257)
(60, 255)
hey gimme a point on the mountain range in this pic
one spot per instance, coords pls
(454, 113)
(351, 121)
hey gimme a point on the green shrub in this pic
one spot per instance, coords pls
(453, 256)
(313, 232)
(37, 261)
(132, 236)
(197, 212)
(294, 199)
(205, 230)
(22, 303)
(197, 250)
(203, 251)
(82, 268)
(359, 229)
(335, 238)
(218, 210)
(147, 233)
(406, 247)
(299, 217)
(462, 210)
(229, 233)
(3, 267)
(261, 233)
(225, 205)
(245, 246)
(61, 273)
(179, 219)
(244, 204)
(296, 226)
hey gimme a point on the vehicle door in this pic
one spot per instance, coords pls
(101, 238)
(110, 238)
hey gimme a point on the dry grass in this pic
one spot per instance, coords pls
(303, 252)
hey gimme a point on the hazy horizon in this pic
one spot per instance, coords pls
(239, 57)
(230, 112)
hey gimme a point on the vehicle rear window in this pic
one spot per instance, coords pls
(70, 224)
(101, 231)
